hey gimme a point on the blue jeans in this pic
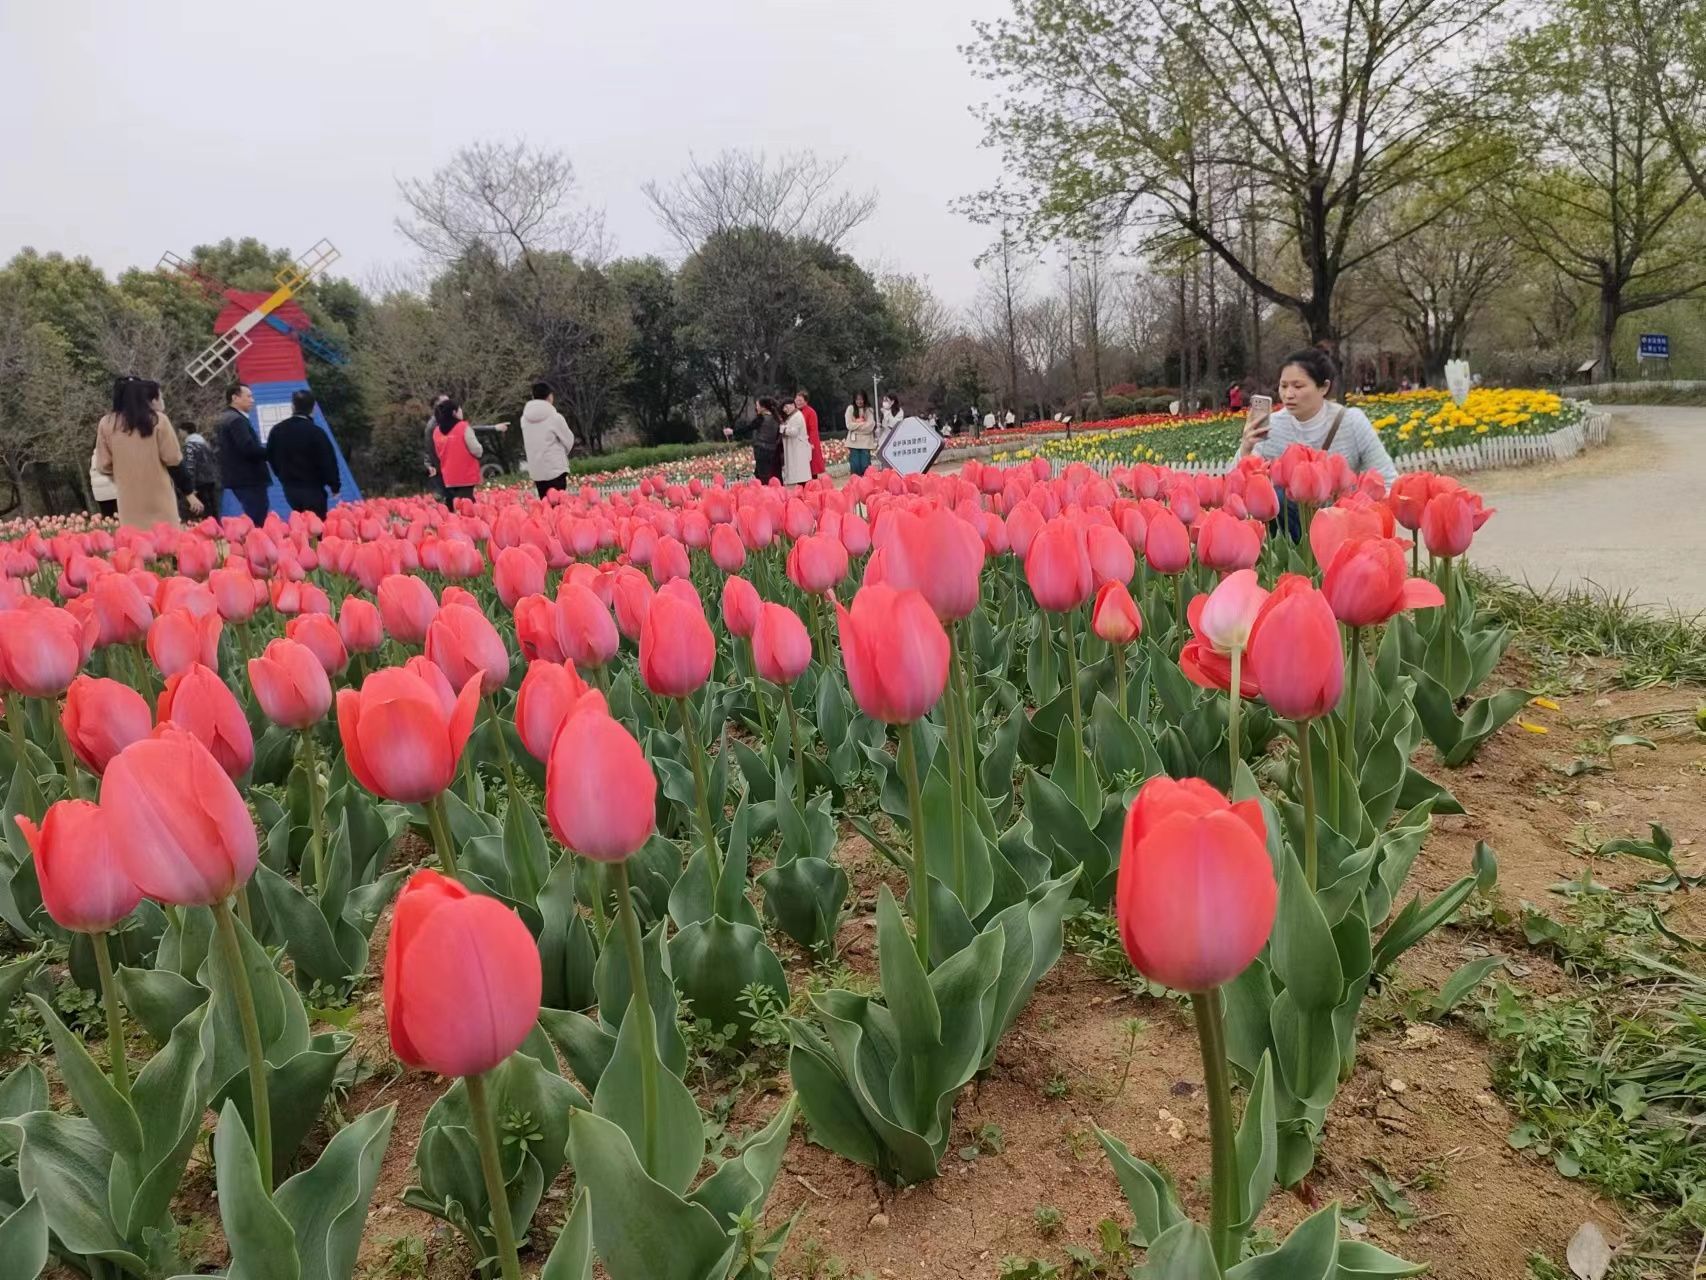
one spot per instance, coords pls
(858, 461)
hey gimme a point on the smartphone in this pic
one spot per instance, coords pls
(1261, 406)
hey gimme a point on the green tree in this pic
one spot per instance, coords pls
(660, 357)
(1605, 199)
(1155, 113)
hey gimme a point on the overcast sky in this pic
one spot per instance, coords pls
(136, 127)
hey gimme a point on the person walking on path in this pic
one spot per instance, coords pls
(796, 447)
(548, 440)
(861, 434)
(303, 458)
(101, 486)
(766, 442)
(458, 450)
(136, 445)
(810, 415)
(242, 457)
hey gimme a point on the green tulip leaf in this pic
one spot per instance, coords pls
(571, 1256)
(718, 961)
(23, 1241)
(1301, 953)
(1033, 934)
(833, 1114)
(1310, 1252)
(169, 1106)
(615, 992)
(21, 1092)
(105, 1107)
(679, 1137)
(804, 898)
(1149, 1192)
(567, 951)
(643, 1229)
(326, 1205)
(64, 1162)
(1306, 1049)
(743, 1181)
(159, 999)
(1182, 1252)
(1257, 1146)
(263, 1245)
(296, 1094)
(1359, 1260)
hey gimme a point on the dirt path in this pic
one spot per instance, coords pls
(1627, 517)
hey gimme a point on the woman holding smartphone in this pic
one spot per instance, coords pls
(1310, 417)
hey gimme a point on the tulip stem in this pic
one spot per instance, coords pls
(920, 872)
(640, 1006)
(799, 747)
(1448, 626)
(1306, 767)
(1073, 702)
(758, 690)
(15, 722)
(1119, 682)
(1179, 619)
(316, 811)
(1211, 1036)
(956, 770)
(440, 824)
(115, 1015)
(702, 791)
(73, 781)
(503, 744)
(259, 1106)
(1351, 700)
(486, 1135)
(1234, 709)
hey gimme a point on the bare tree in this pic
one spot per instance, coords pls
(513, 199)
(1006, 267)
(796, 194)
(1436, 281)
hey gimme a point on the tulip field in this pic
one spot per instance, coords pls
(707, 880)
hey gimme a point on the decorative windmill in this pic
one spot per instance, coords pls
(265, 335)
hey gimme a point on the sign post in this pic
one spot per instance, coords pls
(911, 447)
(1653, 346)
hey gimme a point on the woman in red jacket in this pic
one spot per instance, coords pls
(458, 450)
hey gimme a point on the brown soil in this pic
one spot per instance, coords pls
(1419, 1103)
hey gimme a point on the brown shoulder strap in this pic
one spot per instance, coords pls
(1333, 430)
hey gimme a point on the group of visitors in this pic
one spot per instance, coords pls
(146, 472)
(454, 450)
(787, 447)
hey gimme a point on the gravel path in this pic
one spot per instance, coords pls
(1629, 517)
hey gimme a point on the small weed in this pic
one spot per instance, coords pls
(1080, 1142)
(1058, 1087)
(404, 1258)
(1012, 1268)
(1047, 1220)
(991, 1139)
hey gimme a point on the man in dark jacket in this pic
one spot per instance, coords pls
(302, 457)
(242, 457)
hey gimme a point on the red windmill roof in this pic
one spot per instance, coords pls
(272, 356)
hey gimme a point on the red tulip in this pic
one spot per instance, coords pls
(1196, 894)
(1115, 618)
(1260, 498)
(855, 534)
(1024, 522)
(896, 653)
(548, 691)
(632, 595)
(233, 590)
(83, 886)
(518, 571)
(1220, 626)
(43, 647)
(197, 700)
(1167, 543)
(600, 791)
(1367, 583)
(1058, 566)
(1226, 543)
(726, 550)
(936, 554)
(399, 739)
(464, 643)
(121, 610)
(322, 637)
(1111, 557)
(781, 649)
(360, 626)
(817, 563)
(290, 684)
(183, 833)
(740, 606)
(407, 608)
(670, 561)
(1333, 526)
(1295, 652)
(677, 649)
(585, 629)
(1450, 520)
(462, 978)
(102, 718)
(1409, 496)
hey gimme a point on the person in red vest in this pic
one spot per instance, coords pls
(811, 432)
(458, 450)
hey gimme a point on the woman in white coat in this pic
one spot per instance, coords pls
(796, 447)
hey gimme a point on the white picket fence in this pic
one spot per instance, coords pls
(1590, 431)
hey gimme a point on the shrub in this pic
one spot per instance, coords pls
(640, 456)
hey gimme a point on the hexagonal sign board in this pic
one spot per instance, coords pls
(911, 447)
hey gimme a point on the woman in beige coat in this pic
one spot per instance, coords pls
(136, 445)
(796, 447)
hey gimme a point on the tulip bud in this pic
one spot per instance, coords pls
(896, 653)
(101, 718)
(1057, 566)
(317, 633)
(741, 603)
(400, 740)
(463, 978)
(197, 700)
(407, 608)
(82, 884)
(677, 649)
(464, 643)
(1115, 618)
(548, 691)
(781, 648)
(360, 626)
(600, 791)
(290, 684)
(1295, 652)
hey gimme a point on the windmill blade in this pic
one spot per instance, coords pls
(218, 356)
